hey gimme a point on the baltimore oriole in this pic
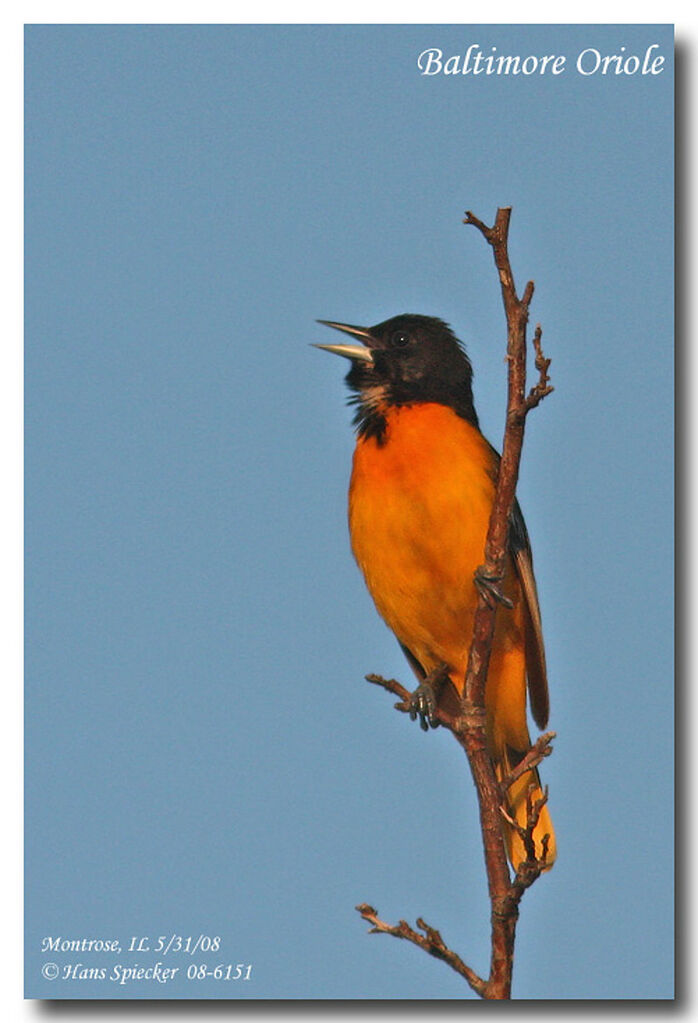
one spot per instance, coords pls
(420, 498)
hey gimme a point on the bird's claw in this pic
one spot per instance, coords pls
(423, 705)
(424, 700)
(487, 584)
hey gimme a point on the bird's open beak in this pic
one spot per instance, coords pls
(357, 353)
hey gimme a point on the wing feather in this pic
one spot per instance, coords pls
(536, 670)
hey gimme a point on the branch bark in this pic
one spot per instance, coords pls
(470, 727)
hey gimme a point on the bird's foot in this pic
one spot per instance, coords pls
(424, 699)
(488, 585)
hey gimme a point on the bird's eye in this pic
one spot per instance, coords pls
(399, 339)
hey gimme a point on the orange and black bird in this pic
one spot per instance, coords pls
(420, 497)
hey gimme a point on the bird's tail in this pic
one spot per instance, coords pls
(524, 803)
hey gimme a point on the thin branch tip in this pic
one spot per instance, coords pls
(474, 221)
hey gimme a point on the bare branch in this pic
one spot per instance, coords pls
(505, 909)
(539, 390)
(538, 751)
(394, 687)
(533, 811)
(430, 942)
(470, 218)
(470, 727)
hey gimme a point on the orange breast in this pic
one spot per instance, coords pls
(419, 507)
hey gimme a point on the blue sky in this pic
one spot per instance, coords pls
(202, 753)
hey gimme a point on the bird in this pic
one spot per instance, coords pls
(420, 496)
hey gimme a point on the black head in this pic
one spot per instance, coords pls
(403, 361)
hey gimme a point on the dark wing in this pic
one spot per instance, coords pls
(520, 549)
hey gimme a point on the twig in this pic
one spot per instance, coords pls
(532, 867)
(533, 811)
(539, 391)
(431, 942)
(540, 749)
(454, 724)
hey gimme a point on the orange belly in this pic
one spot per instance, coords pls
(419, 508)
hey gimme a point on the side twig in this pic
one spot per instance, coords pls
(431, 942)
(540, 749)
